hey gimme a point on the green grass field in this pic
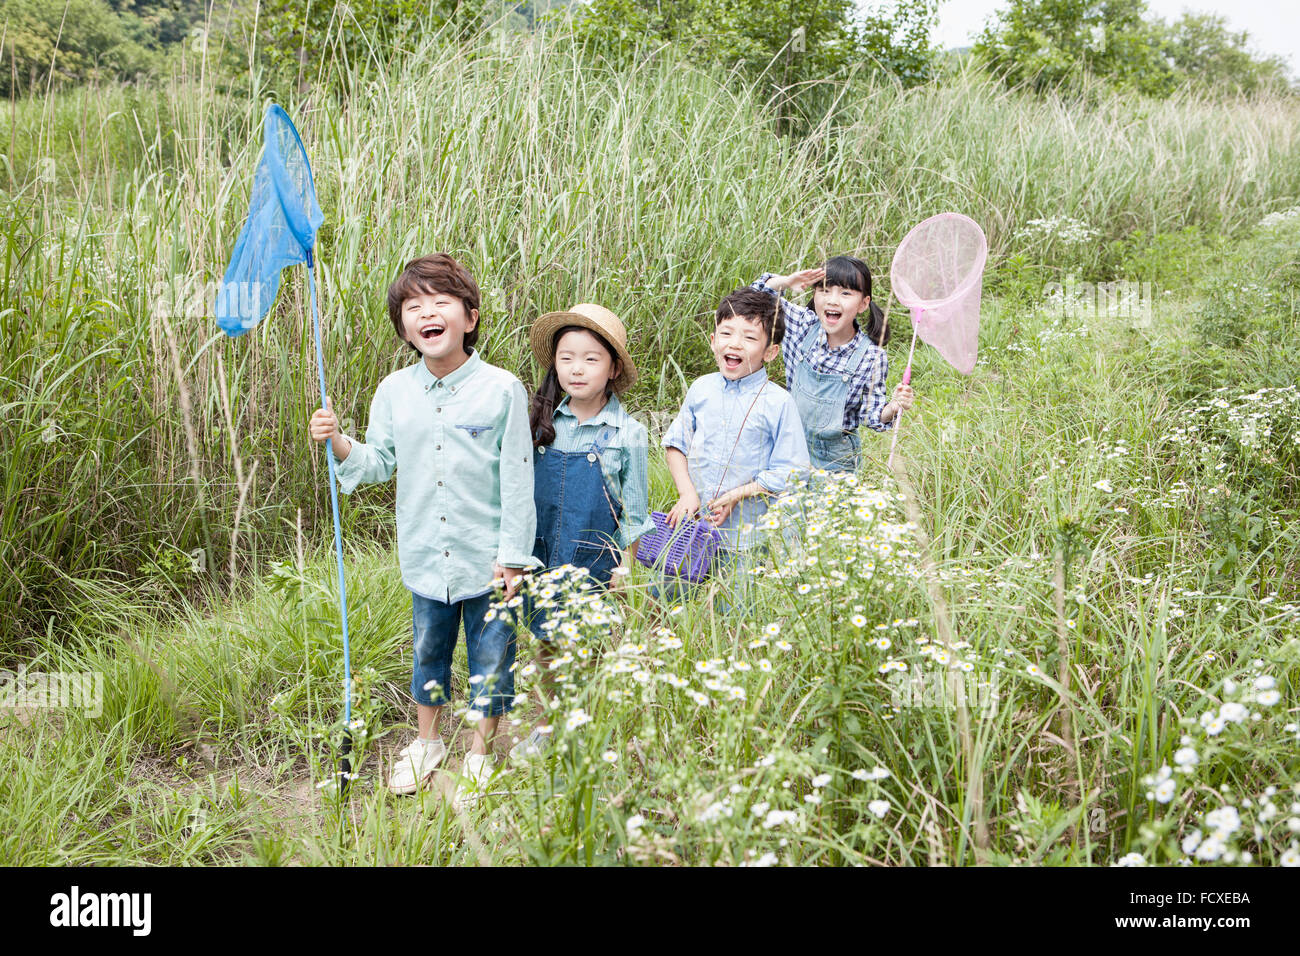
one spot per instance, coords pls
(1064, 632)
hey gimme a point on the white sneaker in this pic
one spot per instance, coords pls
(531, 747)
(415, 764)
(475, 775)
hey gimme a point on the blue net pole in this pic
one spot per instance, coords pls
(338, 531)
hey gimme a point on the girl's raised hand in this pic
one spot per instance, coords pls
(798, 281)
(324, 425)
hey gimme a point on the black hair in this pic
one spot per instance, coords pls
(850, 273)
(541, 414)
(750, 303)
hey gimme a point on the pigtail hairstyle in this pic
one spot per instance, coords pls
(876, 326)
(541, 413)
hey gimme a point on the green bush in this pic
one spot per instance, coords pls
(1057, 44)
(57, 42)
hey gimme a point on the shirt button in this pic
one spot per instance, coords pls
(540, 451)
(591, 456)
(446, 554)
(437, 409)
(442, 518)
(437, 448)
(440, 484)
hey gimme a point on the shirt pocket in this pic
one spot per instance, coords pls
(476, 431)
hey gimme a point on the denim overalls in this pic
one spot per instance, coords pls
(577, 518)
(820, 397)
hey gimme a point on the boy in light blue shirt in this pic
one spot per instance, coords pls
(455, 430)
(737, 439)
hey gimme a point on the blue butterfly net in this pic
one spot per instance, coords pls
(283, 217)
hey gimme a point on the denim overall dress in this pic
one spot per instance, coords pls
(820, 398)
(577, 517)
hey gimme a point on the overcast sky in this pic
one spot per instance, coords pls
(1273, 25)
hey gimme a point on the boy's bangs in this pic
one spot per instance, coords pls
(408, 286)
(840, 271)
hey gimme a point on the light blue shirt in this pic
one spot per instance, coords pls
(463, 453)
(770, 448)
(625, 463)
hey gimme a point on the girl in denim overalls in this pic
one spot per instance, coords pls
(591, 469)
(835, 367)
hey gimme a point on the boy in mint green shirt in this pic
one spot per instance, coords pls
(455, 430)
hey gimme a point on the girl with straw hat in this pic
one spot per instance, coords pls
(592, 472)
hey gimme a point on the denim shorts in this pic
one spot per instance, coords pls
(489, 645)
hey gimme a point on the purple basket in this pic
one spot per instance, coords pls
(685, 551)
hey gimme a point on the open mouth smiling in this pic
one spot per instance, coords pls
(431, 332)
(732, 359)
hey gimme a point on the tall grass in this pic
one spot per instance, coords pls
(805, 748)
(555, 178)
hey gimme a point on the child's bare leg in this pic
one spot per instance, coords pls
(484, 732)
(428, 718)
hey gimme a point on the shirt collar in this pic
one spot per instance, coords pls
(454, 380)
(851, 343)
(606, 416)
(751, 381)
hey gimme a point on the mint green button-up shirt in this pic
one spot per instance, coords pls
(625, 464)
(463, 454)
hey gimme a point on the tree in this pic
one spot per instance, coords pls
(896, 39)
(297, 37)
(785, 47)
(1209, 55)
(1054, 44)
(63, 41)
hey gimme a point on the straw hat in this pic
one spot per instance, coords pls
(594, 317)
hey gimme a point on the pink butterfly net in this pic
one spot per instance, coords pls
(938, 273)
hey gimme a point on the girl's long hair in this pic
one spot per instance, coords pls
(850, 273)
(541, 414)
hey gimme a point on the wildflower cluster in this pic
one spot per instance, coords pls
(1286, 217)
(786, 796)
(578, 615)
(810, 637)
(1199, 822)
(1260, 428)
(840, 531)
(1063, 229)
